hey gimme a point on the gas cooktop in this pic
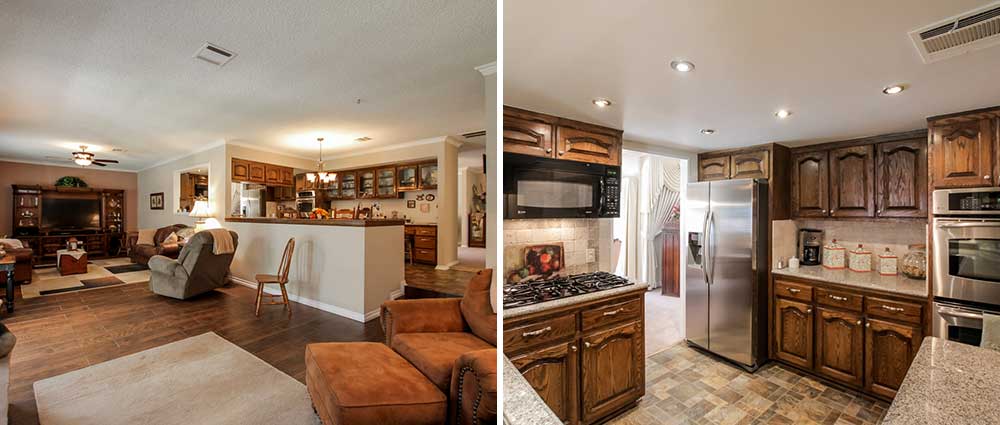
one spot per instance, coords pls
(537, 291)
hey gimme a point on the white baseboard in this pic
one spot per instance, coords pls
(329, 308)
(446, 266)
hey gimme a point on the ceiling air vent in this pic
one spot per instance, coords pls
(974, 30)
(214, 55)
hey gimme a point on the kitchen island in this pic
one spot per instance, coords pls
(948, 383)
(346, 267)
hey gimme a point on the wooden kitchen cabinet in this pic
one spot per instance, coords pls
(839, 345)
(287, 176)
(810, 184)
(750, 165)
(258, 172)
(586, 145)
(963, 154)
(793, 332)
(527, 136)
(386, 182)
(717, 168)
(241, 170)
(552, 372)
(532, 133)
(901, 179)
(889, 349)
(424, 242)
(272, 174)
(852, 181)
(611, 370)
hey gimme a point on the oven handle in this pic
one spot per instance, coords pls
(968, 224)
(945, 311)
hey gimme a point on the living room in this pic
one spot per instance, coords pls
(270, 197)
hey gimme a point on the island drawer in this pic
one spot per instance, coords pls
(795, 291)
(894, 310)
(428, 242)
(423, 254)
(611, 313)
(839, 299)
(539, 332)
(426, 231)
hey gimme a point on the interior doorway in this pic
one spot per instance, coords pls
(472, 206)
(647, 240)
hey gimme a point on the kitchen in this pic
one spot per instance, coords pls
(843, 276)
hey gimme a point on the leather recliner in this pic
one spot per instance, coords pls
(141, 253)
(195, 271)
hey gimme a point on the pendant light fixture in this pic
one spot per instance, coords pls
(320, 173)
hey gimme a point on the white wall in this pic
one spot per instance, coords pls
(494, 243)
(161, 178)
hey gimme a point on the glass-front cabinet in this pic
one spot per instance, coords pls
(386, 182)
(366, 184)
(428, 176)
(348, 185)
(406, 176)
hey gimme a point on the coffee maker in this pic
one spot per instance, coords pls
(810, 246)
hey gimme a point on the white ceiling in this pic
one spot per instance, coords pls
(121, 74)
(826, 61)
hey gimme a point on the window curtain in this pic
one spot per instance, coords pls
(629, 212)
(664, 180)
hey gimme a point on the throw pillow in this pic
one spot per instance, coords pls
(146, 237)
(171, 239)
(185, 233)
(476, 308)
(7, 340)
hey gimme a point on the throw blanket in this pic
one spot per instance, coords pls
(223, 242)
(11, 243)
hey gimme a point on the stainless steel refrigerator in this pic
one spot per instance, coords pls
(726, 295)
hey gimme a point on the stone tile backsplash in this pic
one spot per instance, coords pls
(875, 236)
(580, 239)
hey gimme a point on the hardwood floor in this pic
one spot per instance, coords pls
(61, 333)
(429, 281)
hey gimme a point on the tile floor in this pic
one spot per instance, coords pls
(685, 386)
(664, 318)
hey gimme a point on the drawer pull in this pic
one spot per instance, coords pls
(858, 323)
(794, 290)
(586, 344)
(612, 313)
(892, 309)
(573, 348)
(809, 310)
(538, 332)
(836, 298)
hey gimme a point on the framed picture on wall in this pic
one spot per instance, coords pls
(156, 201)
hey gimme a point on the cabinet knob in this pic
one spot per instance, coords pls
(548, 150)
(868, 325)
(561, 152)
(858, 323)
(573, 348)
(586, 344)
(809, 310)
(986, 177)
(823, 211)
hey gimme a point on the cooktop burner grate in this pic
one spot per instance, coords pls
(537, 291)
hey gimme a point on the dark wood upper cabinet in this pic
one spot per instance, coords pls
(810, 184)
(793, 332)
(527, 137)
(287, 176)
(257, 172)
(587, 146)
(889, 350)
(962, 154)
(852, 181)
(839, 346)
(612, 370)
(901, 179)
(717, 168)
(552, 372)
(241, 170)
(272, 174)
(750, 165)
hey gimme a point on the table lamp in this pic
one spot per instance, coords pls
(201, 212)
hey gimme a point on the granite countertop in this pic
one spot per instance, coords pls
(948, 383)
(521, 404)
(534, 308)
(898, 284)
(337, 222)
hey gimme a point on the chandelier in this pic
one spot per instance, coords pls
(320, 174)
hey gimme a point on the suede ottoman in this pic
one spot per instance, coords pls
(357, 383)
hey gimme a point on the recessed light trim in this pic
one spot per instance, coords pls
(682, 66)
(707, 131)
(601, 102)
(893, 89)
(783, 113)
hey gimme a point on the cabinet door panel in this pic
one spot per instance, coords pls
(613, 370)
(552, 372)
(901, 179)
(241, 170)
(580, 145)
(527, 137)
(793, 332)
(257, 172)
(750, 165)
(839, 346)
(717, 168)
(852, 182)
(962, 154)
(272, 174)
(810, 185)
(889, 349)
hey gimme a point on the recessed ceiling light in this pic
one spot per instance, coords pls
(893, 89)
(782, 113)
(707, 131)
(682, 66)
(601, 102)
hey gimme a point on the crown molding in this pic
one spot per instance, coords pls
(271, 150)
(421, 142)
(454, 141)
(487, 69)
(207, 147)
(55, 164)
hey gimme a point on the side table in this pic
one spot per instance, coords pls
(7, 266)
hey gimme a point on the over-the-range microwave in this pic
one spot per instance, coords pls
(536, 187)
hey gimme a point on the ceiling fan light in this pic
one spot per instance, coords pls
(83, 161)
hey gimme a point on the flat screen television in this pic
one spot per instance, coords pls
(71, 214)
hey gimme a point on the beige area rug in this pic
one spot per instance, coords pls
(470, 259)
(199, 380)
(47, 281)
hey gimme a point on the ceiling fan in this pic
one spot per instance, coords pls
(84, 158)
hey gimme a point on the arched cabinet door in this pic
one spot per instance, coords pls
(839, 345)
(613, 370)
(552, 372)
(528, 137)
(962, 154)
(901, 178)
(852, 181)
(793, 332)
(810, 184)
(889, 349)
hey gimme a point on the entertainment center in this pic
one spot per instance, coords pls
(46, 217)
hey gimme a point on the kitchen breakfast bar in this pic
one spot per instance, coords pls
(346, 267)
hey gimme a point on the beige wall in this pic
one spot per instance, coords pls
(46, 175)
(161, 178)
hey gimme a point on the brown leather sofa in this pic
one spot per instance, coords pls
(24, 258)
(452, 342)
(141, 253)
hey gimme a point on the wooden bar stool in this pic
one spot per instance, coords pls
(280, 279)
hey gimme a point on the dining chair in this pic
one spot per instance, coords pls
(280, 279)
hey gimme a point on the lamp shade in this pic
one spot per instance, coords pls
(200, 210)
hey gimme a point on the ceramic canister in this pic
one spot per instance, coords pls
(833, 255)
(888, 263)
(860, 259)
